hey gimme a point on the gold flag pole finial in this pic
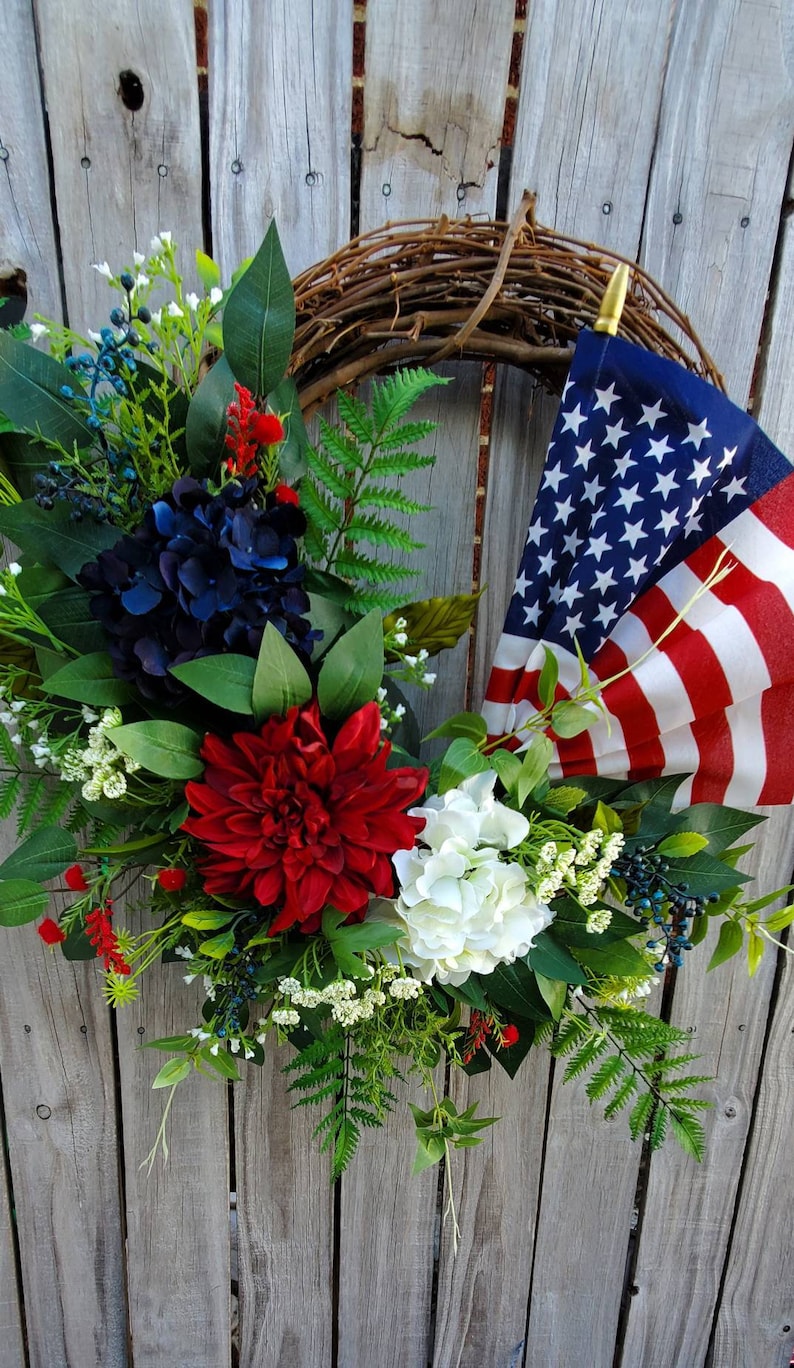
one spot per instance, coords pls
(613, 301)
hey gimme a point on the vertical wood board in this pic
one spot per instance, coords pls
(12, 1349)
(688, 1208)
(591, 83)
(280, 98)
(285, 1212)
(719, 172)
(434, 97)
(120, 175)
(177, 1216)
(59, 1097)
(755, 1317)
(27, 237)
(775, 399)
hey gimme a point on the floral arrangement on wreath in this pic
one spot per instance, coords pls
(206, 672)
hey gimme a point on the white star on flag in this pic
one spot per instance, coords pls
(651, 415)
(605, 398)
(698, 432)
(571, 422)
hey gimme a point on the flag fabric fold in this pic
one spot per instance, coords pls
(652, 476)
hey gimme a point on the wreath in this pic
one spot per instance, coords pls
(207, 673)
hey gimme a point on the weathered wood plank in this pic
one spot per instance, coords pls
(12, 1349)
(482, 1291)
(774, 404)
(719, 172)
(178, 1216)
(688, 1208)
(433, 107)
(756, 1311)
(60, 1109)
(120, 174)
(27, 239)
(583, 68)
(285, 1212)
(280, 96)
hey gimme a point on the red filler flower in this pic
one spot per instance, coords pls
(172, 880)
(248, 431)
(267, 429)
(51, 932)
(285, 494)
(510, 1036)
(75, 879)
(296, 823)
(99, 925)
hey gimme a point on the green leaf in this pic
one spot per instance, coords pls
(207, 921)
(280, 680)
(206, 424)
(285, 401)
(30, 394)
(67, 613)
(729, 943)
(165, 748)
(689, 1133)
(394, 396)
(176, 1042)
(90, 679)
(42, 856)
(554, 993)
(682, 844)
(218, 947)
(570, 719)
(21, 901)
(50, 536)
(780, 920)
(515, 987)
(549, 676)
(172, 1073)
(700, 929)
(436, 624)
(722, 825)
(222, 1062)
(534, 767)
(460, 761)
(507, 766)
(755, 951)
(208, 271)
(226, 680)
(352, 670)
(331, 618)
(461, 724)
(259, 319)
(553, 960)
(618, 959)
(365, 936)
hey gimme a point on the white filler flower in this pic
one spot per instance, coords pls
(462, 908)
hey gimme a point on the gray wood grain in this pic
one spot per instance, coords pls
(433, 107)
(27, 239)
(12, 1349)
(719, 172)
(285, 1211)
(583, 68)
(280, 98)
(59, 1095)
(756, 1311)
(120, 175)
(178, 1277)
(774, 405)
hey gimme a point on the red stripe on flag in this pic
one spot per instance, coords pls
(777, 710)
(626, 701)
(502, 685)
(712, 736)
(773, 509)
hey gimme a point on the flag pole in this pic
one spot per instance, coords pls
(613, 300)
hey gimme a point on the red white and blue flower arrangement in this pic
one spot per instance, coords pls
(206, 671)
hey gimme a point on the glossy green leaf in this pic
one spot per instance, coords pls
(218, 947)
(165, 748)
(436, 624)
(285, 401)
(259, 319)
(508, 766)
(570, 719)
(617, 959)
(352, 670)
(549, 958)
(21, 901)
(89, 679)
(682, 844)
(461, 724)
(30, 394)
(207, 921)
(730, 942)
(535, 763)
(67, 613)
(209, 272)
(51, 537)
(549, 676)
(44, 855)
(172, 1073)
(226, 680)
(554, 993)
(460, 761)
(280, 680)
(205, 428)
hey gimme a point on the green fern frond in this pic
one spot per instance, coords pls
(377, 496)
(7, 750)
(9, 794)
(407, 434)
(605, 1077)
(397, 393)
(585, 1056)
(623, 1095)
(380, 532)
(640, 1115)
(689, 1133)
(340, 485)
(318, 508)
(355, 565)
(399, 463)
(658, 1128)
(341, 449)
(35, 792)
(568, 1036)
(354, 415)
(364, 601)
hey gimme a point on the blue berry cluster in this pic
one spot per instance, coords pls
(114, 362)
(230, 1007)
(660, 904)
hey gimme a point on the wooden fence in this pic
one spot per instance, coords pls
(663, 130)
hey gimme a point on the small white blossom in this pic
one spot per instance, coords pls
(103, 268)
(174, 310)
(216, 296)
(138, 258)
(88, 714)
(157, 317)
(598, 920)
(39, 330)
(234, 1045)
(400, 639)
(405, 988)
(192, 301)
(15, 569)
(285, 1016)
(184, 951)
(114, 786)
(288, 986)
(141, 281)
(165, 238)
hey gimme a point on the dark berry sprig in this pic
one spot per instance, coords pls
(657, 902)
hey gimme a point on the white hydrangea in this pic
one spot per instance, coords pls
(462, 909)
(286, 1017)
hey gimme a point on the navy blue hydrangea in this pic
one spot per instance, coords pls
(203, 574)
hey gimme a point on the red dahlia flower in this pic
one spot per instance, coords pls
(296, 823)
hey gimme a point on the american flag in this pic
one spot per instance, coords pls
(651, 475)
